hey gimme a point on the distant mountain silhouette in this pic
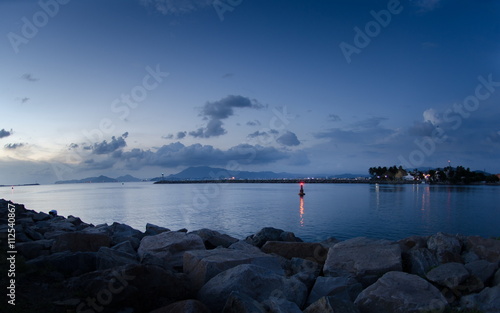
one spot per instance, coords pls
(210, 173)
(100, 179)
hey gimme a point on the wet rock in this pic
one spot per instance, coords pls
(420, 261)
(485, 248)
(400, 292)
(447, 248)
(362, 257)
(169, 247)
(239, 302)
(304, 250)
(185, 306)
(80, 241)
(331, 305)
(202, 265)
(448, 275)
(343, 288)
(213, 239)
(152, 230)
(488, 300)
(257, 282)
(482, 269)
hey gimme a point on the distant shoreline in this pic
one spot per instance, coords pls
(310, 181)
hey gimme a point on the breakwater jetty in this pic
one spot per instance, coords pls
(52, 263)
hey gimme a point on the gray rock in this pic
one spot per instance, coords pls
(239, 302)
(110, 258)
(280, 305)
(304, 250)
(41, 216)
(80, 241)
(201, 265)
(449, 274)
(413, 242)
(123, 232)
(152, 230)
(185, 306)
(400, 292)
(496, 278)
(343, 288)
(469, 256)
(488, 300)
(141, 287)
(67, 263)
(214, 239)
(126, 247)
(482, 269)
(486, 249)
(304, 270)
(331, 305)
(420, 261)
(34, 249)
(243, 245)
(270, 234)
(169, 246)
(361, 257)
(257, 282)
(447, 248)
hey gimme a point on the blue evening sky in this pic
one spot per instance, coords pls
(145, 87)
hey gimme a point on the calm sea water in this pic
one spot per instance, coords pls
(338, 210)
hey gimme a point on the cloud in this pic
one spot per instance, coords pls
(427, 5)
(334, 118)
(25, 99)
(219, 110)
(176, 154)
(176, 7)
(432, 116)
(288, 139)
(4, 133)
(104, 147)
(13, 146)
(29, 77)
(181, 135)
(421, 129)
(253, 123)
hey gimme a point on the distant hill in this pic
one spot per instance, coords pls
(209, 173)
(100, 179)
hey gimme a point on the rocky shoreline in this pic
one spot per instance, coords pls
(63, 264)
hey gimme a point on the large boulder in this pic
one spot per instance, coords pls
(141, 287)
(184, 306)
(280, 305)
(238, 302)
(214, 239)
(420, 260)
(343, 288)
(152, 229)
(80, 241)
(255, 281)
(400, 292)
(486, 248)
(448, 275)
(110, 258)
(447, 248)
(304, 250)
(202, 265)
(487, 301)
(304, 270)
(34, 249)
(482, 269)
(331, 305)
(169, 247)
(364, 258)
(67, 263)
(270, 234)
(123, 232)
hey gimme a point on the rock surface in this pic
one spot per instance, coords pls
(400, 292)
